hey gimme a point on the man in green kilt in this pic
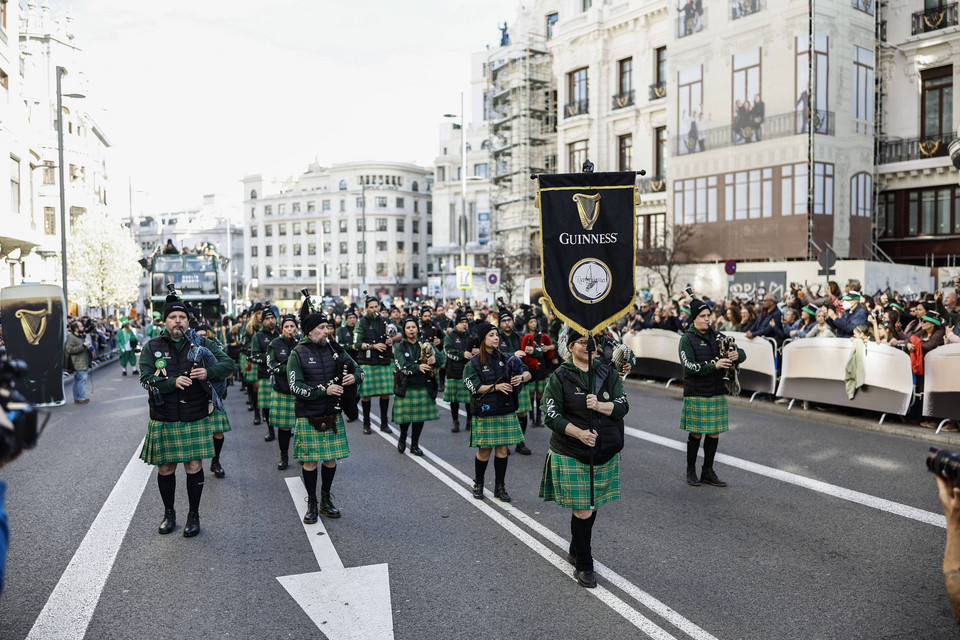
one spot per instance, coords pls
(180, 427)
(704, 408)
(510, 346)
(582, 468)
(458, 346)
(258, 355)
(375, 354)
(126, 343)
(219, 420)
(318, 369)
(495, 425)
(415, 406)
(283, 410)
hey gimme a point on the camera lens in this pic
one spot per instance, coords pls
(945, 464)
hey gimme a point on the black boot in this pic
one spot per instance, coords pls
(256, 415)
(402, 441)
(366, 416)
(192, 527)
(456, 427)
(326, 506)
(693, 446)
(692, 478)
(710, 477)
(216, 469)
(384, 419)
(169, 522)
(415, 440)
(283, 440)
(500, 492)
(455, 412)
(284, 462)
(500, 475)
(581, 533)
(707, 474)
(480, 469)
(271, 434)
(311, 516)
(522, 447)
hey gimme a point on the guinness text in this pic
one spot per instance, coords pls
(588, 238)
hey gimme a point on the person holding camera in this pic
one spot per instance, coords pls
(181, 424)
(78, 359)
(493, 392)
(4, 525)
(704, 408)
(318, 369)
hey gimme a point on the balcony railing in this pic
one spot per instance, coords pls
(656, 184)
(914, 148)
(658, 90)
(690, 20)
(779, 126)
(623, 99)
(933, 19)
(867, 6)
(743, 8)
(577, 108)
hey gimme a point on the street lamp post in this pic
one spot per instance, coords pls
(461, 219)
(63, 197)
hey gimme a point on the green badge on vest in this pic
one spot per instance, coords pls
(160, 363)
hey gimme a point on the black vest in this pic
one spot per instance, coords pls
(494, 372)
(282, 348)
(181, 405)
(321, 365)
(373, 332)
(509, 345)
(705, 349)
(345, 338)
(462, 342)
(609, 431)
(264, 338)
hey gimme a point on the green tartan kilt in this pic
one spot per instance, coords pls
(219, 421)
(283, 411)
(537, 386)
(169, 442)
(456, 391)
(701, 414)
(310, 445)
(251, 375)
(495, 431)
(566, 481)
(524, 402)
(377, 380)
(414, 406)
(266, 396)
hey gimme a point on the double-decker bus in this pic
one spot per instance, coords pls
(196, 276)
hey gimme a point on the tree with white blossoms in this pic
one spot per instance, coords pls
(102, 262)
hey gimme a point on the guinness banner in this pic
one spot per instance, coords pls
(34, 330)
(588, 246)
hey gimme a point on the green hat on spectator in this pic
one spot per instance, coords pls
(898, 307)
(852, 295)
(933, 317)
(811, 309)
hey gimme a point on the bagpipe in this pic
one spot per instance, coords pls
(731, 376)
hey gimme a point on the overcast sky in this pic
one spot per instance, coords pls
(198, 94)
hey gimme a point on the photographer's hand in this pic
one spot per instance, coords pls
(950, 501)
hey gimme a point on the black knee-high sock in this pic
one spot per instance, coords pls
(417, 430)
(466, 405)
(455, 411)
(523, 423)
(283, 439)
(384, 405)
(404, 426)
(310, 483)
(499, 470)
(693, 446)
(366, 411)
(326, 478)
(168, 489)
(195, 489)
(480, 469)
(217, 447)
(709, 450)
(581, 531)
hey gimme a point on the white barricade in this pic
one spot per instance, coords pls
(759, 370)
(657, 352)
(813, 369)
(941, 382)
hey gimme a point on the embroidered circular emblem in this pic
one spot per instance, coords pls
(590, 280)
(157, 354)
(160, 363)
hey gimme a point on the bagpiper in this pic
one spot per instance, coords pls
(375, 354)
(458, 347)
(283, 414)
(258, 355)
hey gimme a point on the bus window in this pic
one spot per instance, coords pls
(169, 263)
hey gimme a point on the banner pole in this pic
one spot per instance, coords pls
(591, 377)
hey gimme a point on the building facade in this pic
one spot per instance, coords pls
(344, 229)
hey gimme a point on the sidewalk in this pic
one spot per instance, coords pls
(891, 424)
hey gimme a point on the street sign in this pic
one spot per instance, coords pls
(827, 258)
(493, 280)
(464, 277)
(730, 267)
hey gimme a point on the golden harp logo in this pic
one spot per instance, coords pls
(583, 205)
(33, 323)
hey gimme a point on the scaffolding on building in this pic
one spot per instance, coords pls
(521, 111)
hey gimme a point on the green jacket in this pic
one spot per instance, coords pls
(410, 366)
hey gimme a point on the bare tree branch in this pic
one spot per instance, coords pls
(667, 253)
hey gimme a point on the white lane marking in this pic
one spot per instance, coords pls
(633, 616)
(320, 542)
(865, 499)
(68, 610)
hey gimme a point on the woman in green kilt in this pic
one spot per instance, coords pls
(582, 468)
(539, 365)
(283, 410)
(416, 406)
(704, 408)
(495, 424)
(318, 370)
(458, 346)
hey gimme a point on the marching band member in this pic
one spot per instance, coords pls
(510, 346)
(284, 407)
(458, 346)
(375, 354)
(415, 406)
(258, 355)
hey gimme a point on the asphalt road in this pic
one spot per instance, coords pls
(824, 531)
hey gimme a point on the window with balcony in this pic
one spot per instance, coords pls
(936, 111)
(691, 20)
(748, 106)
(659, 88)
(577, 93)
(689, 101)
(936, 14)
(624, 95)
(576, 155)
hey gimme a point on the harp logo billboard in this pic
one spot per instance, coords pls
(588, 246)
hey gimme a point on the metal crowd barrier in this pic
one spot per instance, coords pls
(813, 369)
(941, 383)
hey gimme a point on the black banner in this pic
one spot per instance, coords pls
(588, 246)
(34, 330)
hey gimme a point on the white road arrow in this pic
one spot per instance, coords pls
(345, 604)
